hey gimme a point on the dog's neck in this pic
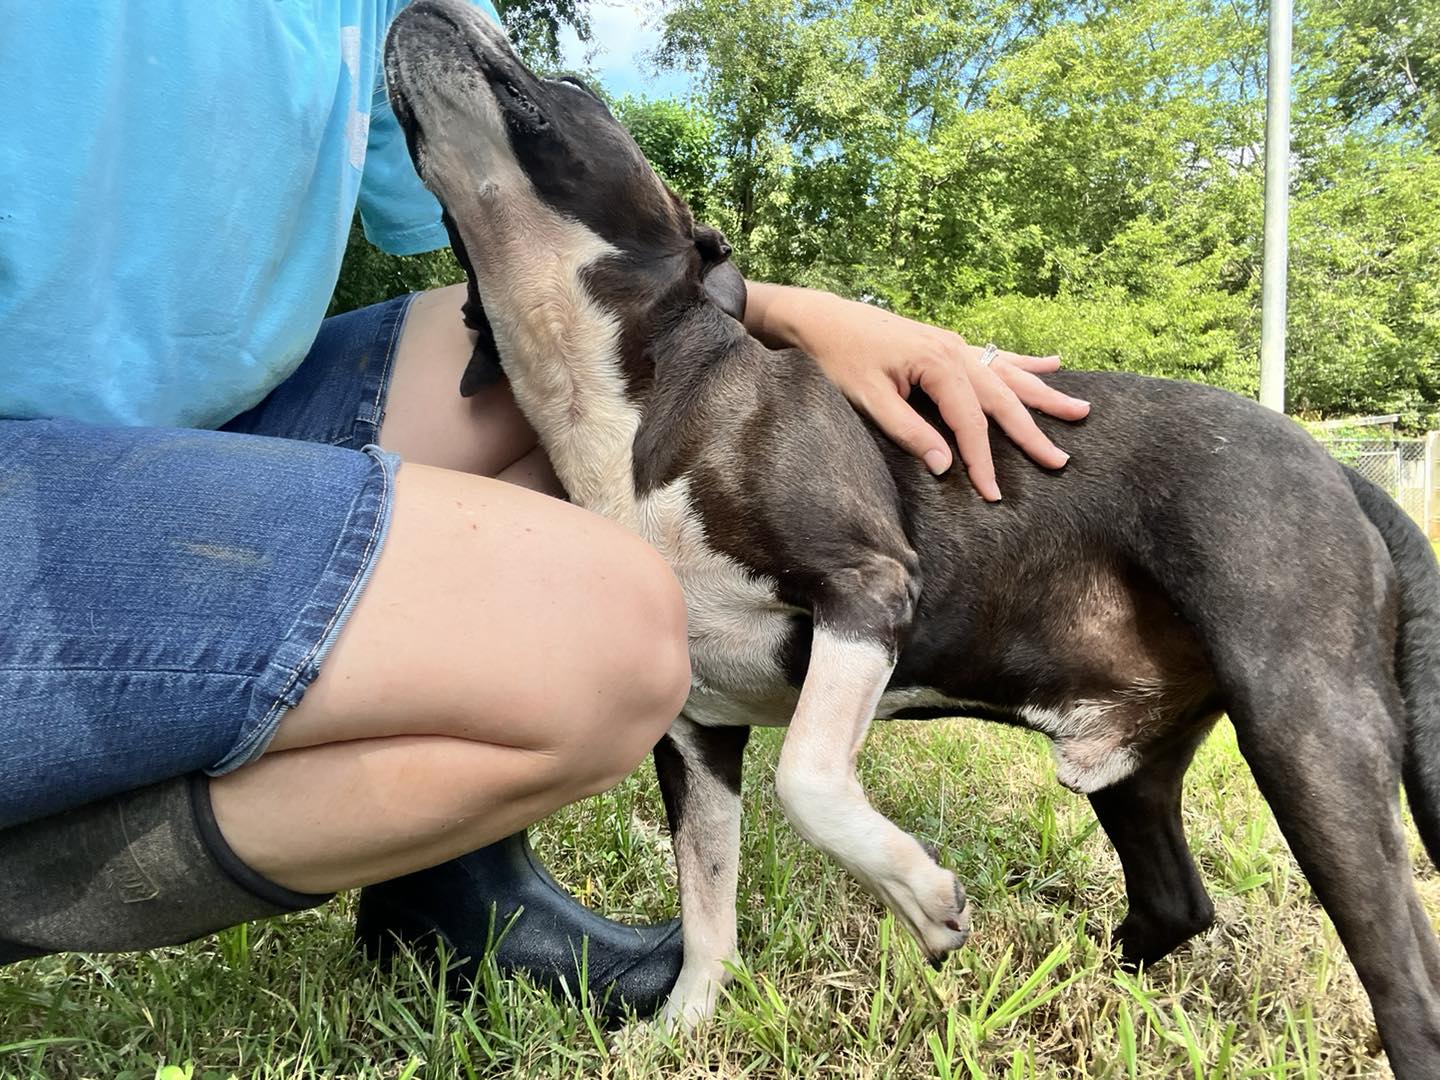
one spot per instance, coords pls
(587, 375)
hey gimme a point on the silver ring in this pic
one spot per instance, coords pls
(988, 356)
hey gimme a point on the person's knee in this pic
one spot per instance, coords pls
(646, 649)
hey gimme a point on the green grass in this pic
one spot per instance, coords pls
(830, 987)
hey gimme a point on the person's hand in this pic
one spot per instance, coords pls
(877, 358)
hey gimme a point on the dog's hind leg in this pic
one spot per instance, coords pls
(699, 772)
(1141, 815)
(851, 659)
(1327, 758)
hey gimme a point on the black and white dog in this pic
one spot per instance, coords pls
(1198, 554)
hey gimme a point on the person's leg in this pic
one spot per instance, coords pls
(601, 580)
(395, 758)
(503, 885)
(510, 654)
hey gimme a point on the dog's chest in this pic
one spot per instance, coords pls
(566, 375)
(738, 626)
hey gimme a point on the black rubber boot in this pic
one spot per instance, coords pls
(459, 902)
(145, 869)
(141, 870)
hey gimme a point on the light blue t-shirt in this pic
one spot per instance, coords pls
(177, 181)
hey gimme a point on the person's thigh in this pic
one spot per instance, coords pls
(509, 655)
(165, 596)
(390, 374)
(503, 616)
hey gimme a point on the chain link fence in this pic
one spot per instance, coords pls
(1399, 466)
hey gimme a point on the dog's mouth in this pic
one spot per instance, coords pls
(438, 56)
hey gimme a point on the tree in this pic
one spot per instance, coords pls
(1078, 176)
(1086, 176)
(679, 141)
(534, 26)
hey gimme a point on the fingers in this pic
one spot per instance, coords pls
(1036, 394)
(1040, 365)
(1018, 372)
(958, 403)
(894, 416)
(966, 394)
(1007, 410)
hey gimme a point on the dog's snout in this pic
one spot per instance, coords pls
(425, 24)
(452, 11)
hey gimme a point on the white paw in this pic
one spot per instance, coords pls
(931, 903)
(695, 997)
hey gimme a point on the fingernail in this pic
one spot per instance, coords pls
(935, 461)
(1066, 456)
(1082, 401)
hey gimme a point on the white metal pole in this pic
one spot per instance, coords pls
(1277, 209)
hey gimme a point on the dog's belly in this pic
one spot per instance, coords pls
(717, 709)
(1097, 740)
(1129, 675)
(1094, 657)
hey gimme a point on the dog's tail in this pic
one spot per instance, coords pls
(1417, 660)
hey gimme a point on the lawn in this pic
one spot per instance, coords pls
(830, 986)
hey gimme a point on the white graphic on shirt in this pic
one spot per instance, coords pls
(357, 123)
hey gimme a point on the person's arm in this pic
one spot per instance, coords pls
(876, 358)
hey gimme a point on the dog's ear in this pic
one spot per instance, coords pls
(484, 366)
(713, 246)
(724, 283)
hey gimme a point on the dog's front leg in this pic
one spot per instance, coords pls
(822, 796)
(699, 772)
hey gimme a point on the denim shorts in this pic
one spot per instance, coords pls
(166, 595)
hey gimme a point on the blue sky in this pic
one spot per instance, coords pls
(620, 34)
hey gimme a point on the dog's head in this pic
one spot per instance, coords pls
(544, 190)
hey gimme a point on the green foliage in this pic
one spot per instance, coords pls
(534, 25)
(1087, 177)
(1365, 298)
(1392, 69)
(679, 142)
